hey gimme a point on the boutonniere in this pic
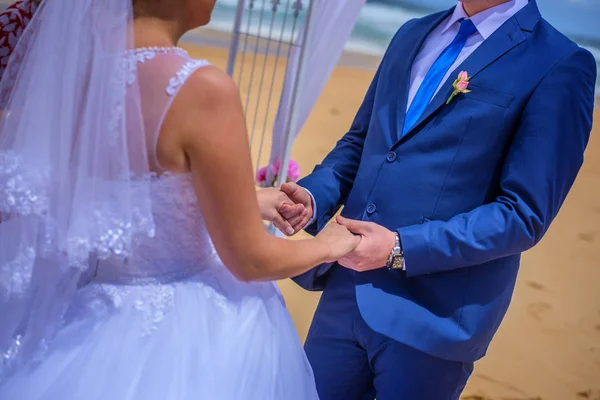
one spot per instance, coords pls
(460, 85)
(267, 176)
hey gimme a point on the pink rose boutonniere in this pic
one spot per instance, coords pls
(262, 175)
(460, 85)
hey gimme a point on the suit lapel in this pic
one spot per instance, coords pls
(509, 35)
(419, 35)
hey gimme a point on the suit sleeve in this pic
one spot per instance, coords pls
(331, 181)
(540, 167)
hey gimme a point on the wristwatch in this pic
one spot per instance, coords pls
(396, 257)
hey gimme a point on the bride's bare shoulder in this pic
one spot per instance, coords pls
(207, 109)
(207, 92)
(210, 87)
(205, 105)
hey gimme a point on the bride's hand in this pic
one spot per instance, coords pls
(339, 240)
(270, 201)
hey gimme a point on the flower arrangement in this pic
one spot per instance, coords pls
(263, 176)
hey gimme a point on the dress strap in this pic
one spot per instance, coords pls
(187, 69)
(162, 72)
(176, 82)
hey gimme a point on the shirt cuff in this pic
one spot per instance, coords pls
(402, 249)
(314, 209)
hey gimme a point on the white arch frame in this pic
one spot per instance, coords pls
(240, 35)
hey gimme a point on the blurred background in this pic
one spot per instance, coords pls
(380, 19)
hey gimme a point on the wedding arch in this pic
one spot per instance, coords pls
(303, 40)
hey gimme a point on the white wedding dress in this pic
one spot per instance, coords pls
(171, 323)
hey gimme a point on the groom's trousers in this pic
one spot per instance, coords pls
(353, 362)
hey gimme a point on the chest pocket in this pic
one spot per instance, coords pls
(488, 96)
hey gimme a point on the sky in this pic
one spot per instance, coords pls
(572, 17)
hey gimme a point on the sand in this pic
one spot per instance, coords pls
(548, 346)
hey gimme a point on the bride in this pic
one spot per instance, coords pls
(134, 264)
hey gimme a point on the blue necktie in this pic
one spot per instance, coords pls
(436, 73)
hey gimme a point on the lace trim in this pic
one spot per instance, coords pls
(123, 76)
(20, 187)
(184, 72)
(114, 238)
(10, 357)
(153, 301)
(140, 56)
(24, 191)
(135, 58)
(11, 353)
(17, 274)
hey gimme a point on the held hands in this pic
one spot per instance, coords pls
(357, 245)
(289, 209)
(272, 201)
(298, 195)
(339, 240)
(374, 248)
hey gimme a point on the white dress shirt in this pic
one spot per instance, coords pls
(486, 22)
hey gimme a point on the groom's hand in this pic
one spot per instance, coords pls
(271, 202)
(373, 250)
(298, 195)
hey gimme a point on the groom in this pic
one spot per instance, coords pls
(447, 191)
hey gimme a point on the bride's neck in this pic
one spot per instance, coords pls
(158, 23)
(150, 31)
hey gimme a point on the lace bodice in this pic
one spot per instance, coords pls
(181, 244)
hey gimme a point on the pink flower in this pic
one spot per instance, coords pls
(261, 175)
(293, 171)
(462, 85)
(463, 76)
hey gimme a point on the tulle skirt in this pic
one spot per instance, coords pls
(197, 338)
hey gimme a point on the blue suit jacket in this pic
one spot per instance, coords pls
(471, 186)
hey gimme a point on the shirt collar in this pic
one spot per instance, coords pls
(489, 20)
(458, 14)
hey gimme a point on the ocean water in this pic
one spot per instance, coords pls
(378, 21)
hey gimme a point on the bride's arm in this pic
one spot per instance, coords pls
(213, 136)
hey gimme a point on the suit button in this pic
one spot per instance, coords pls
(391, 156)
(371, 208)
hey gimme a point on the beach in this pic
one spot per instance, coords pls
(548, 346)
